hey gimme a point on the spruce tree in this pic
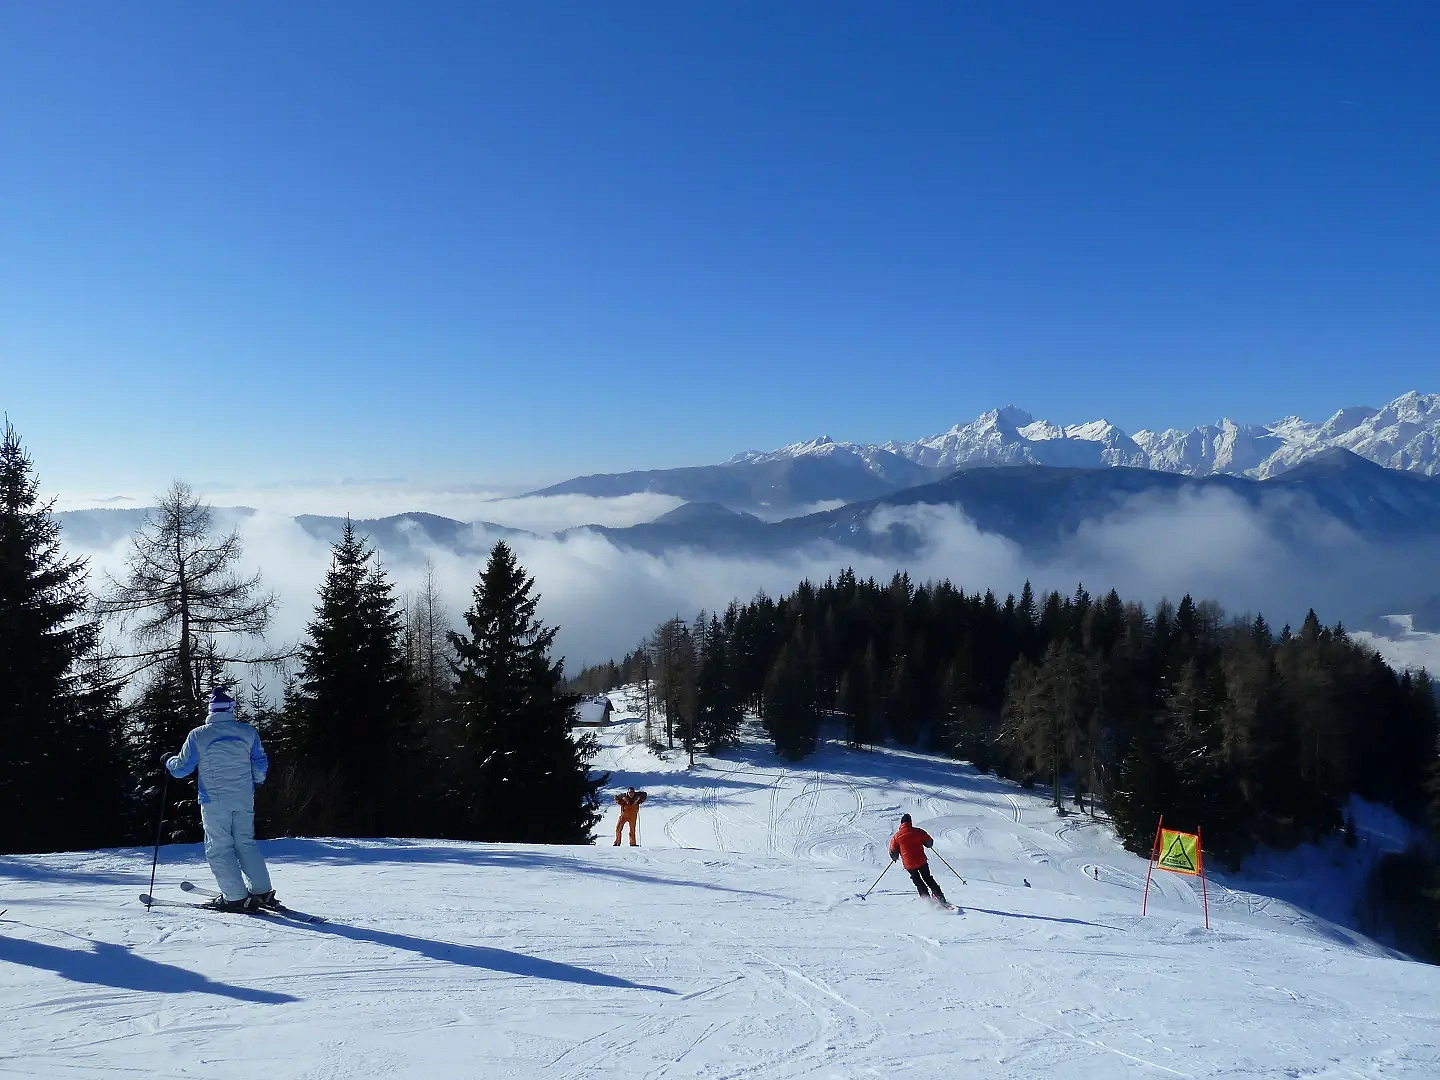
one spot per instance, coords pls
(900, 702)
(717, 702)
(791, 716)
(62, 778)
(354, 703)
(526, 777)
(160, 718)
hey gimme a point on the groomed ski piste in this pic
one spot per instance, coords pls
(730, 944)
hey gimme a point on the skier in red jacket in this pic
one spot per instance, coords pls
(908, 845)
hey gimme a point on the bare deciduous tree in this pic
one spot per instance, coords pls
(427, 643)
(181, 599)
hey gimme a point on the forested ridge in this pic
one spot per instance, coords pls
(1256, 735)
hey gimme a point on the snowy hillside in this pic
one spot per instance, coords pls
(731, 944)
(1402, 645)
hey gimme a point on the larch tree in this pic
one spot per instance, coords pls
(182, 600)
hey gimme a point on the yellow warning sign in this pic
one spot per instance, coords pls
(1179, 851)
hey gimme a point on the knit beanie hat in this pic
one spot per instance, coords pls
(221, 701)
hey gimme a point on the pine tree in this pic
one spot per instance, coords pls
(970, 728)
(717, 703)
(160, 718)
(900, 705)
(791, 716)
(62, 778)
(525, 779)
(354, 703)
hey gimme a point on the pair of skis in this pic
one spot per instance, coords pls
(279, 911)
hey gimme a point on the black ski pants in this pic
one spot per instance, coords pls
(925, 882)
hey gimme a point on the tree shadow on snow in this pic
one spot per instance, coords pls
(106, 964)
(1045, 918)
(480, 855)
(21, 868)
(479, 956)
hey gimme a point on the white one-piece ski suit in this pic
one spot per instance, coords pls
(231, 762)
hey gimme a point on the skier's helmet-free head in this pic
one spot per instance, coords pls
(221, 701)
(904, 819)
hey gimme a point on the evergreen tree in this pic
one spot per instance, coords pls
(791, 715)
(525, 779)
(717, 704)
(970, 727)
(354, 703)
(62, 778)
(900, 702)
(160, 719)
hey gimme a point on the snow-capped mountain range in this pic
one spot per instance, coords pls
(1405, 435)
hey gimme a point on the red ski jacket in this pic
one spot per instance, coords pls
(910, 844)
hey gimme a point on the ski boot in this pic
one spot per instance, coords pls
(264, 901)
(235, 907)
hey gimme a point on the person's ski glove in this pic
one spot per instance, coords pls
(894, 856)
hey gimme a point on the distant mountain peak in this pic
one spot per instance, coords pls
(1405, 434)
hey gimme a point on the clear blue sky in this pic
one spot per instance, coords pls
(260, 242)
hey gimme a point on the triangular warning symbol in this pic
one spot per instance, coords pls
(1177, 855)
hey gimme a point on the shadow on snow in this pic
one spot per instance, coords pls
(471, 853)
(105, 964)
(478, 956)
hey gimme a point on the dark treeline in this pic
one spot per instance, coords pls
(1253, 734)
(389, 722)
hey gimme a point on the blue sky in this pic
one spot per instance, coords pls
(255, 244)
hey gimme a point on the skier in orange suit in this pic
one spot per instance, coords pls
(629, 802)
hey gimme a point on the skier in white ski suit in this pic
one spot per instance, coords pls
(231, 762)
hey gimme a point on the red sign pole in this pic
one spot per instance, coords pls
(1154, 850)
(1200, 858)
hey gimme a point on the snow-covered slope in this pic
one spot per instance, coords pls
(1405, 434)
(731, 944)
(1402, 645)
(1011, 436)
(876, 460)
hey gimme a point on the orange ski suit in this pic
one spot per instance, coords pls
(911, 843)
(629, 803)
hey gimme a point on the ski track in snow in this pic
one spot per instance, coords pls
(733, 947)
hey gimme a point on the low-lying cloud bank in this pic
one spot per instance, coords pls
(1281, 559)
(378, 499)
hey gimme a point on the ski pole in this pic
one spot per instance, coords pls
(159, 831)
(949, 867)
(868, 891)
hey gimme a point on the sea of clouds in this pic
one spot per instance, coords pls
(1281, 558)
